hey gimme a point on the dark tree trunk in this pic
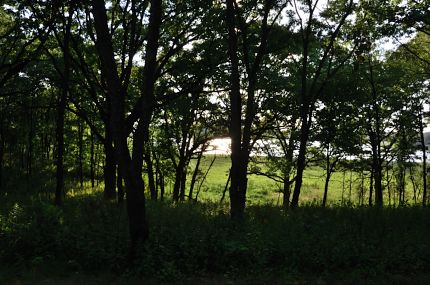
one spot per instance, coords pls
(289, 156)
(350, 186)
(238, 186)
(378, 184)
(61, 108)
(376, 169)
(376, 144)
(180, 170)
(81, 153)
(343, 187)
(401, 183)
(92, 160)
(159, 176)
(238, 175)
(301, 161)
(179, 176)
(30, 142)
(330, 167)
(424, 151)
(327, 178)
(362, 188)
(22, 157)
(59, 189)
(309, 91)
(2, 146)
(326, 184)
(194, 177)
(120, 186)
(150, 172)
(109, 173)
(327, 181)
(130, 165)
(241, 145)
(162, 185)
(371, 187)
(132, 174)
(414, 184)
(97, 164)
(183, 184)
(387, 171)
(304, 115)
(286, 192)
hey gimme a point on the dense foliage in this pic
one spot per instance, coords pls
(200, 240)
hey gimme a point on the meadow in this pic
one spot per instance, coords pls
(345, 188)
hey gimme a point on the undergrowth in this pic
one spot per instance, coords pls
(90, 234)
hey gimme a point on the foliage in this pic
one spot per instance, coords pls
(199, 239)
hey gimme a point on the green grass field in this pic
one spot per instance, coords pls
(343, 188)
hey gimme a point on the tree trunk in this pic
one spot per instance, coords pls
(150, 173)
(289, 166)
(81, 153)
(159, 176)
(238, 186)
(136, 210)
(92, 160)
(30, 142)
(371, 187)
(301, 161)
(59, 189)
(2, 145)
(362, 188)
(414, 184)
(179, 176)
(343, 187)
(194, 177)
(183, 184)
(237, 189)
(327, 178)
(109, 173)
(424, 151)
(387, 171)
(97, 164)
(286, 192)
(61, 108)
(350, 187)
(378, 185)
(130, 165)
(240, 146)
(120, 186)
(162, 185)
(376, 145)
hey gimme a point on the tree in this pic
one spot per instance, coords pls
(130, 164)
(316, 67)
(241, 121)
(337, 127)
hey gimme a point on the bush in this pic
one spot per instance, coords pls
(199, 239)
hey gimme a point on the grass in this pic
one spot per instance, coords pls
(86, 242)
(262, 190)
